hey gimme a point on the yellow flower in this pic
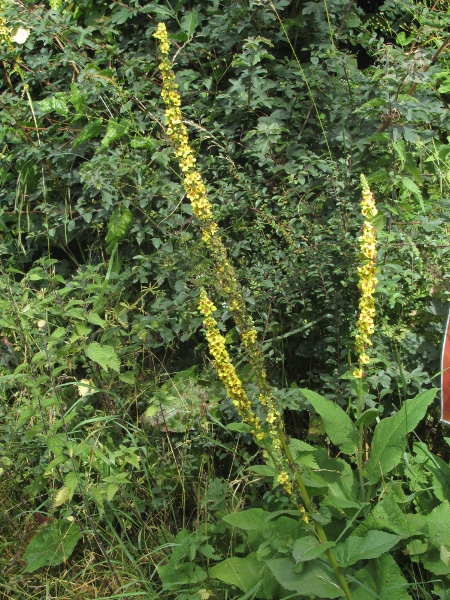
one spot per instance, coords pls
(367, 279)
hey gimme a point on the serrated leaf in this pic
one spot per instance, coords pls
(62, 496)
(71, 481)
(52, 546)
(372, 545)
(91, 130)
(118, 227)
(389, 440)
(338, 425)
(111, 490)
(96, 319)
(103, 355)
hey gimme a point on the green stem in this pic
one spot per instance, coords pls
(360, 442)
(318, 529)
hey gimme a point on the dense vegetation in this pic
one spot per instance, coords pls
(127, 468)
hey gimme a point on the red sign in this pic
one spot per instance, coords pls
(445, 398)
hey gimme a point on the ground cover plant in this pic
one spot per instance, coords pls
(224, 282)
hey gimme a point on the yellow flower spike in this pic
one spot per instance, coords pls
(367, 280)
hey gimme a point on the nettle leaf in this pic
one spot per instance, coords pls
(103, 355)
(383, 577)
(61, 497)
(389, 440)
(91, 130)
(52, 546)
(372, 545)
(337, 423)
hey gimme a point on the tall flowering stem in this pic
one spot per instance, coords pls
(271, 434)
(227, 281)
(367, 280)
(366, 321)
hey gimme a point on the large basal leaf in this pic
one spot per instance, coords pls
(384, 578)
(253, 519)
(105, 356)
(52, 546)
(389, 440)
(337, 423)
(372, 545)
(244, 572)
(315, 579)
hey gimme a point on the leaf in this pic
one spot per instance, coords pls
(372, 545)
(91, 130)
(119, 226)
(77, 99)
(57, 103)
(389, 440)
(315, 579)
(71, 481)
(308, 548)
(337, 423)
(114, 130)
(244, 572)
(96, 319)
(103, 355)
(52, 546)
(62, 496)
(189, 23)
(111, 490)
(253, 519)
(382, 576)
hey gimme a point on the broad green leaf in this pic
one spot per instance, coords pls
(372, 545)
(57, 103)
(389, 440)
(315, 579)
(367, 417)
(253, 519)
(103, 355)
(244, 572)
(383, 577)
(91, 130)
(114, 130)
(52, 546)
(337, 423)
(308, 548)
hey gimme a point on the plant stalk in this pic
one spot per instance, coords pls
(360, 442)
